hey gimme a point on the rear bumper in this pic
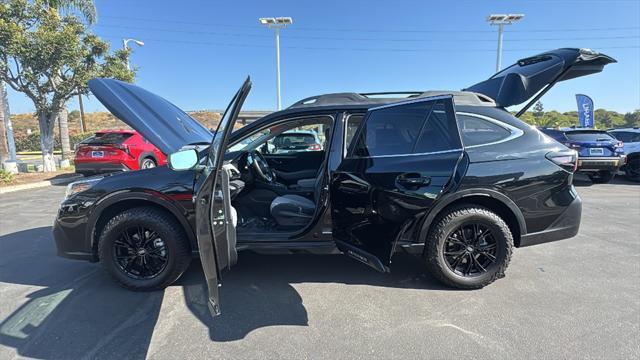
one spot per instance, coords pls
(566, 226)
(600, 163)
(100, 167)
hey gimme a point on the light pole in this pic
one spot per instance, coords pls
(276, 24)
(501, 20)
(125, 47)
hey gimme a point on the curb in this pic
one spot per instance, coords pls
(39, 184)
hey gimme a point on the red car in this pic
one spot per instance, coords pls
(116, 150)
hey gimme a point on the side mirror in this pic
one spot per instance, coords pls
(183, 160)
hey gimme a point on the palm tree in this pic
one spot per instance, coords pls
(86, 8)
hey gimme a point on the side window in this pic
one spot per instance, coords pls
(477, 131)
(353, 122)
(419, 127)
(440, 132)
(626, 136)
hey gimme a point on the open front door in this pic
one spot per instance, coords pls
(214, 215)
(402, 159)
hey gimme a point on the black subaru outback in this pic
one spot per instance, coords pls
(448, 175)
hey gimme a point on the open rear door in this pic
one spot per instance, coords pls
(537, 74)
(214, 214)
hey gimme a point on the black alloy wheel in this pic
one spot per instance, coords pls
(144, 248)
(470, 249)
(140, 253)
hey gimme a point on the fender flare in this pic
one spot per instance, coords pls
(140, 195)
(449, 199)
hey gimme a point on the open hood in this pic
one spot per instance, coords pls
(524, 79)
(156, 119)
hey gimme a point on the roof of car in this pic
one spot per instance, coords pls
(119, 131)
(459, 97)
(633, 129)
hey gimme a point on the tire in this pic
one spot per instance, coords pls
(602, 177)
(632, 169)
(147, 163)
(170, 235)
(447, 227)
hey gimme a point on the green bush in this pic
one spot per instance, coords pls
(31, 142)
(6, 177)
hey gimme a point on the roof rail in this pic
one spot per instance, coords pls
(460, 97)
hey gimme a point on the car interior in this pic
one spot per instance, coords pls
(276, 176)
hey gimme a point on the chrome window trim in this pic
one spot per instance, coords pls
(405, 155)
(515, 132)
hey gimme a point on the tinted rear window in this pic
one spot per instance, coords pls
(588, 136)
(476, 131)
(107, 138)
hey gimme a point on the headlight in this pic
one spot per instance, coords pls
(80, 186)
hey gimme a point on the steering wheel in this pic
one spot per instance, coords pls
(260, 166)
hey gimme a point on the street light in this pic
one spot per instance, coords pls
(125, 47)
(276, 24)
(501, 20)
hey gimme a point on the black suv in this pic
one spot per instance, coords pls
(448, 175)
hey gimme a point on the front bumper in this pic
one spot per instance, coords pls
(600, 163)
(70, 230)
(566, 226)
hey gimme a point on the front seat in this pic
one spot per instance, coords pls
(295, 210)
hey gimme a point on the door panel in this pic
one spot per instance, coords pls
(374, 198)
(295, 166)
(214, 215)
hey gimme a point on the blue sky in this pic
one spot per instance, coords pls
(198, 52)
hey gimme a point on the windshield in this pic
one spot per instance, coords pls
(251, 142)
(589, 136)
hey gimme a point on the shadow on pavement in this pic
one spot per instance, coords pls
(583, 180)
(80, 312)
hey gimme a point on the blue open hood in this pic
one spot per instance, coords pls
(156, 119)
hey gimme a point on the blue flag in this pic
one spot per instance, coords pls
(585, 110)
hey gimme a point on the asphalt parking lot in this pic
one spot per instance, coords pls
(577, 298)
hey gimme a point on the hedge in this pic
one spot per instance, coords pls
(31, 142)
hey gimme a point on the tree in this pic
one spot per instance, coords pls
(632, 119)
(50, 58)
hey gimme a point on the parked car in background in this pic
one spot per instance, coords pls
(116, 150)
(600, 155)
(295, 141)
(631, 139)
(449, 176)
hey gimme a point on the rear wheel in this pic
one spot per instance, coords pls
(147, 163)
(601, 177)
(632, 169)
(144, 249)
(469, 247)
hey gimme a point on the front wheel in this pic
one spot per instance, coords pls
(469, 248)
(632, 169)
(144, 248)
(602, 177)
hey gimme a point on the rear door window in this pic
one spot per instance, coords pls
(107, 138)
(477, 131)
(408, 128)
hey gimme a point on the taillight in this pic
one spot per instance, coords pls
(619, 144)
(572, 146)
(122, 147)
(315, 147)
(566, 159)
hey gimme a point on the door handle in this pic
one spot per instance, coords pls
(413, 180)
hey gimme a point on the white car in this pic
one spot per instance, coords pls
(631, 139)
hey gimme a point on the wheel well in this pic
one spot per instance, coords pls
(147, 155)
(492, 204)
(112, 210)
